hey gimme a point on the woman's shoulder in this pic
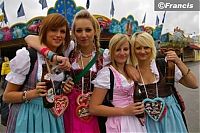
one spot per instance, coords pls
(104, 70)
(103, 78)
(106, 57)
(21, 62)
(20, 66)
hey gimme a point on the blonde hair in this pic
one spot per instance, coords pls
(84, 14)
(143, 39)
(115, 42)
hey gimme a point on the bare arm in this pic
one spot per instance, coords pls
(96, 107)
(33, 41)
(188, 79)
(13, 94)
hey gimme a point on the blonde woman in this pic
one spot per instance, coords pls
(153, 86)
(121, 117)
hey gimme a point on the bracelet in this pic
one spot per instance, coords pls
(43, 50)
(24, 98)
(50, 55)
(188, 71)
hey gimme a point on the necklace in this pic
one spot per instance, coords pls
(83, 99)
(86, 55)
(155, 108)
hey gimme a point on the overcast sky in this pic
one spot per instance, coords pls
(188, 21)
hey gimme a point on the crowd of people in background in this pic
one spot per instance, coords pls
(91, 77)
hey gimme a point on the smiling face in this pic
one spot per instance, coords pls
(119, 48)
(142, 52)
(55, 37)
(54, 32)
(84, 32)
(121, 53)
(143, 47)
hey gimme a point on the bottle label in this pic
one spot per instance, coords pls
(50, 95)
(47, 76)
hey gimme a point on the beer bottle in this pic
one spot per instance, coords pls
(138, 98)
(48, 100)
(170, 71)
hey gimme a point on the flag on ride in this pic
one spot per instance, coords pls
(144, 19)
(88, 4)
(43, 3)
(3, 11)
(163, 20)
(157, 20)
(2, 6)
(20, 11)
(112, 10)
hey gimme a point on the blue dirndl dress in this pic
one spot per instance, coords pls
(172, 122)
(32, 117)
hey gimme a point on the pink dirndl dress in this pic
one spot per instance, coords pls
(73, 123)
(122, 97)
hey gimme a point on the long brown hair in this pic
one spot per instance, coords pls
(54, 20)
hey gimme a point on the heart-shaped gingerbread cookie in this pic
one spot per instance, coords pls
(61, 102)
(154, 107)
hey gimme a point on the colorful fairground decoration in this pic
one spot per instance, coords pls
(20, 30)
(187, 47)
(68, 8)
(176, 40)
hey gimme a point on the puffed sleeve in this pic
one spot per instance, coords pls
(106, 57)
(178, 74)
(103, 79)
(19, 66)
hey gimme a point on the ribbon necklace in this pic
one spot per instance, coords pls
(155, 108)
(82, 110)
(83, 79)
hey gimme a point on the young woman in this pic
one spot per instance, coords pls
(121, 117)
(85, 33)
(152, 84)
(27, 112)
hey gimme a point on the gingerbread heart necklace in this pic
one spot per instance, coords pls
(83, 99)
(155, 108)
(60, 101)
